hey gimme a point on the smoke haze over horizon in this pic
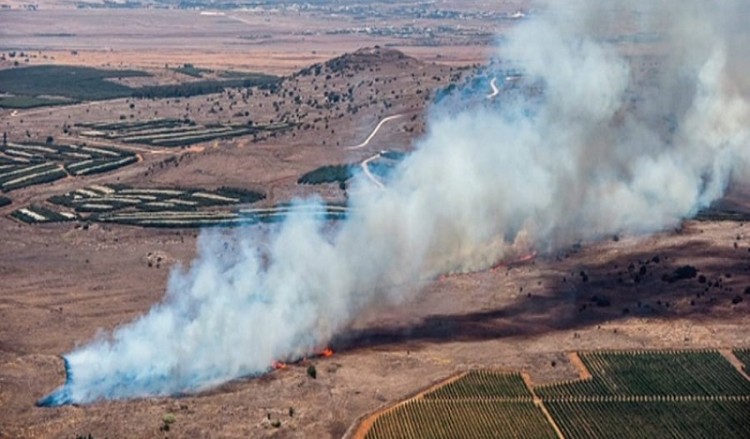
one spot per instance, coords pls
(589, 149)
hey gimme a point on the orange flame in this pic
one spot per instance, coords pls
(327, 352)
(278, 365)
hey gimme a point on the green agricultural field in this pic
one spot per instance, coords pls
(206, 86)
(484, 384)
(36, 86)
(686, 394)
(72, 82)
(25, 102)
(434, 418)
(480, 404)
(679, 373)
(651, 419)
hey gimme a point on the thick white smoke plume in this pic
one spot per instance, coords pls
(599, 142)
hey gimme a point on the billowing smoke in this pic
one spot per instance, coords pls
(597, 142)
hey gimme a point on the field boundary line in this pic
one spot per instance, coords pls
(734, 361)
(364, 423)
(583, 371)
(540, 403)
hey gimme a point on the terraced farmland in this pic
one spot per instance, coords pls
(27, 164)
(166, 207)
(170, 132)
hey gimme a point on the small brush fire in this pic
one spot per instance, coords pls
(504, 263)
(325, 353)
(507, 263)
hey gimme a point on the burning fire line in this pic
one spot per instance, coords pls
(325, 353)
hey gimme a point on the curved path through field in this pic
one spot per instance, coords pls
(375, 131)
(366, 170)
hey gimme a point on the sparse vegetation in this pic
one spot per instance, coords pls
(166, 421)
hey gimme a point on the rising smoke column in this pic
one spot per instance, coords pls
(598, 149)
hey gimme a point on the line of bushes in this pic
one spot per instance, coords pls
(329, 174)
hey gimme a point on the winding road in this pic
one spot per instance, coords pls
(375, 131)
(495, 90)
(366, 170)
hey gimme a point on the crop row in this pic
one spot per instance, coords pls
(483, 384)
(678, 419)
(17, 177)
(422, 418)
(97, 166)
(201, 136)
(35, 214)
(26, 164)
(131, 125)
(188, 219)
(29, 152)
(693, 373)
(100, 198)
(169, 132)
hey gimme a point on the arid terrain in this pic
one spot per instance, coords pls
(63, 284)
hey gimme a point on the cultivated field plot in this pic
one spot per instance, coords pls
(42, 85)
(171, 132)
(433, 418)
(167, 207)
(651, 418)
(26, 164)
(657, 373)
(480, 404)
(52, 84)
(484, 384)
(687, 394)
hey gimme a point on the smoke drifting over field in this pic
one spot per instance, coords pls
(600, 148)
